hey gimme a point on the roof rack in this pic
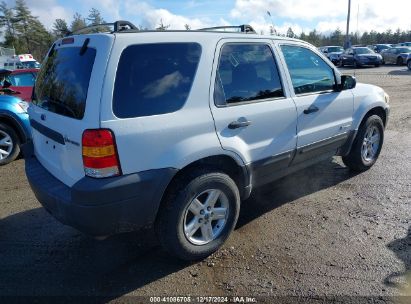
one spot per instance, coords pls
(244, 28)
(118, 26)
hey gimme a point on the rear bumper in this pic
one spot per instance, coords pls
(100, 207)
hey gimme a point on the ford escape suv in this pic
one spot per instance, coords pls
(174, 129)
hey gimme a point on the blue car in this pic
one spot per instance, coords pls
(14, 127)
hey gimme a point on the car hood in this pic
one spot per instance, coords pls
(335, 53)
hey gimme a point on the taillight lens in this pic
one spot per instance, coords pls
(100, 157)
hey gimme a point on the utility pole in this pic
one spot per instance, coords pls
(347, 43)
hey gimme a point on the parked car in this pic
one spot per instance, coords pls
(332, 52)
(14, 127)
(403, 44)
(18, 82)
(174, 129)
(409, 62)
(378, 48)
(396, 55)
(360, 56)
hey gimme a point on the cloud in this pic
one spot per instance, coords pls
(325, 16)
(48, 11)
(151, 17)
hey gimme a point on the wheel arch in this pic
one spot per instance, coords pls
(12, 123)
(221, 162)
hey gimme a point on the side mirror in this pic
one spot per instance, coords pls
(325, 52)
(348, 82)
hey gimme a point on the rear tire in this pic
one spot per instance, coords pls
(190, 228)
(366, 146)
(399, 61)
(9, 144)
(409, 64)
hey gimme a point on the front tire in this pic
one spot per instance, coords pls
(409, 65)
(9, 144)
(197, 216)
(399, 61)
(367, 145)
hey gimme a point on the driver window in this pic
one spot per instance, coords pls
(309, 73)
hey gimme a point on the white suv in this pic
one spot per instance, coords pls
(175, 128)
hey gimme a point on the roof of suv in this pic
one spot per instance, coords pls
(122, 27)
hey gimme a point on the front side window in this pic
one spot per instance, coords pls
(309, 73)
(246, 72)
(154, 79)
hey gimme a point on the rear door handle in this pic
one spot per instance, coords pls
(311, 109)
(239, 124)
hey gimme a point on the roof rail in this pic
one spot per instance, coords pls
(244, 28)
(118, 26)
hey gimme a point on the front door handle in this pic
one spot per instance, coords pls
(239, 124)
(311, 109)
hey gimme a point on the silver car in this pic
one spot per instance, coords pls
(396, 55)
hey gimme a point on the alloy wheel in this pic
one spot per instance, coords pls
(371, 144)
(6, 145)
(205, 217)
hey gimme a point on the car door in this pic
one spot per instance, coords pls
(346, 56)
(390, 56)
(324, 115)
(253, 113)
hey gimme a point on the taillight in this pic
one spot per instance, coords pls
(100, 158)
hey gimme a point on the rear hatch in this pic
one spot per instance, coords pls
(67, 102)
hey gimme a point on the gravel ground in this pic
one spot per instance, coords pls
(322, 232)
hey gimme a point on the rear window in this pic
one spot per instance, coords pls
(63, 81)
(154, 79)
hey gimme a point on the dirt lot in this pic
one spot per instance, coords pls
(320, 232)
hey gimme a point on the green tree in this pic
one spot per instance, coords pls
(30, 35)
(95, 18)
(78, 22)
(290, 33)
(60, 28)
(162, 26)
(7, 22)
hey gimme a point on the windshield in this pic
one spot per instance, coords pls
(62, 83)
(31, 65)
(364, 50)
(335, 49)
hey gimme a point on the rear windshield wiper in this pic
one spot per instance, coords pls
(84, 47)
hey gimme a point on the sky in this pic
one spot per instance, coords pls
(301, 15)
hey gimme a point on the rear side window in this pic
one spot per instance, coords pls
(246, 72)
(63, 81)
(154, 79)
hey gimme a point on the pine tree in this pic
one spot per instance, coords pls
(162, 26)
(60, 28)
(78, 23)
(94, 18)
(30, 34)
(290, 33)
